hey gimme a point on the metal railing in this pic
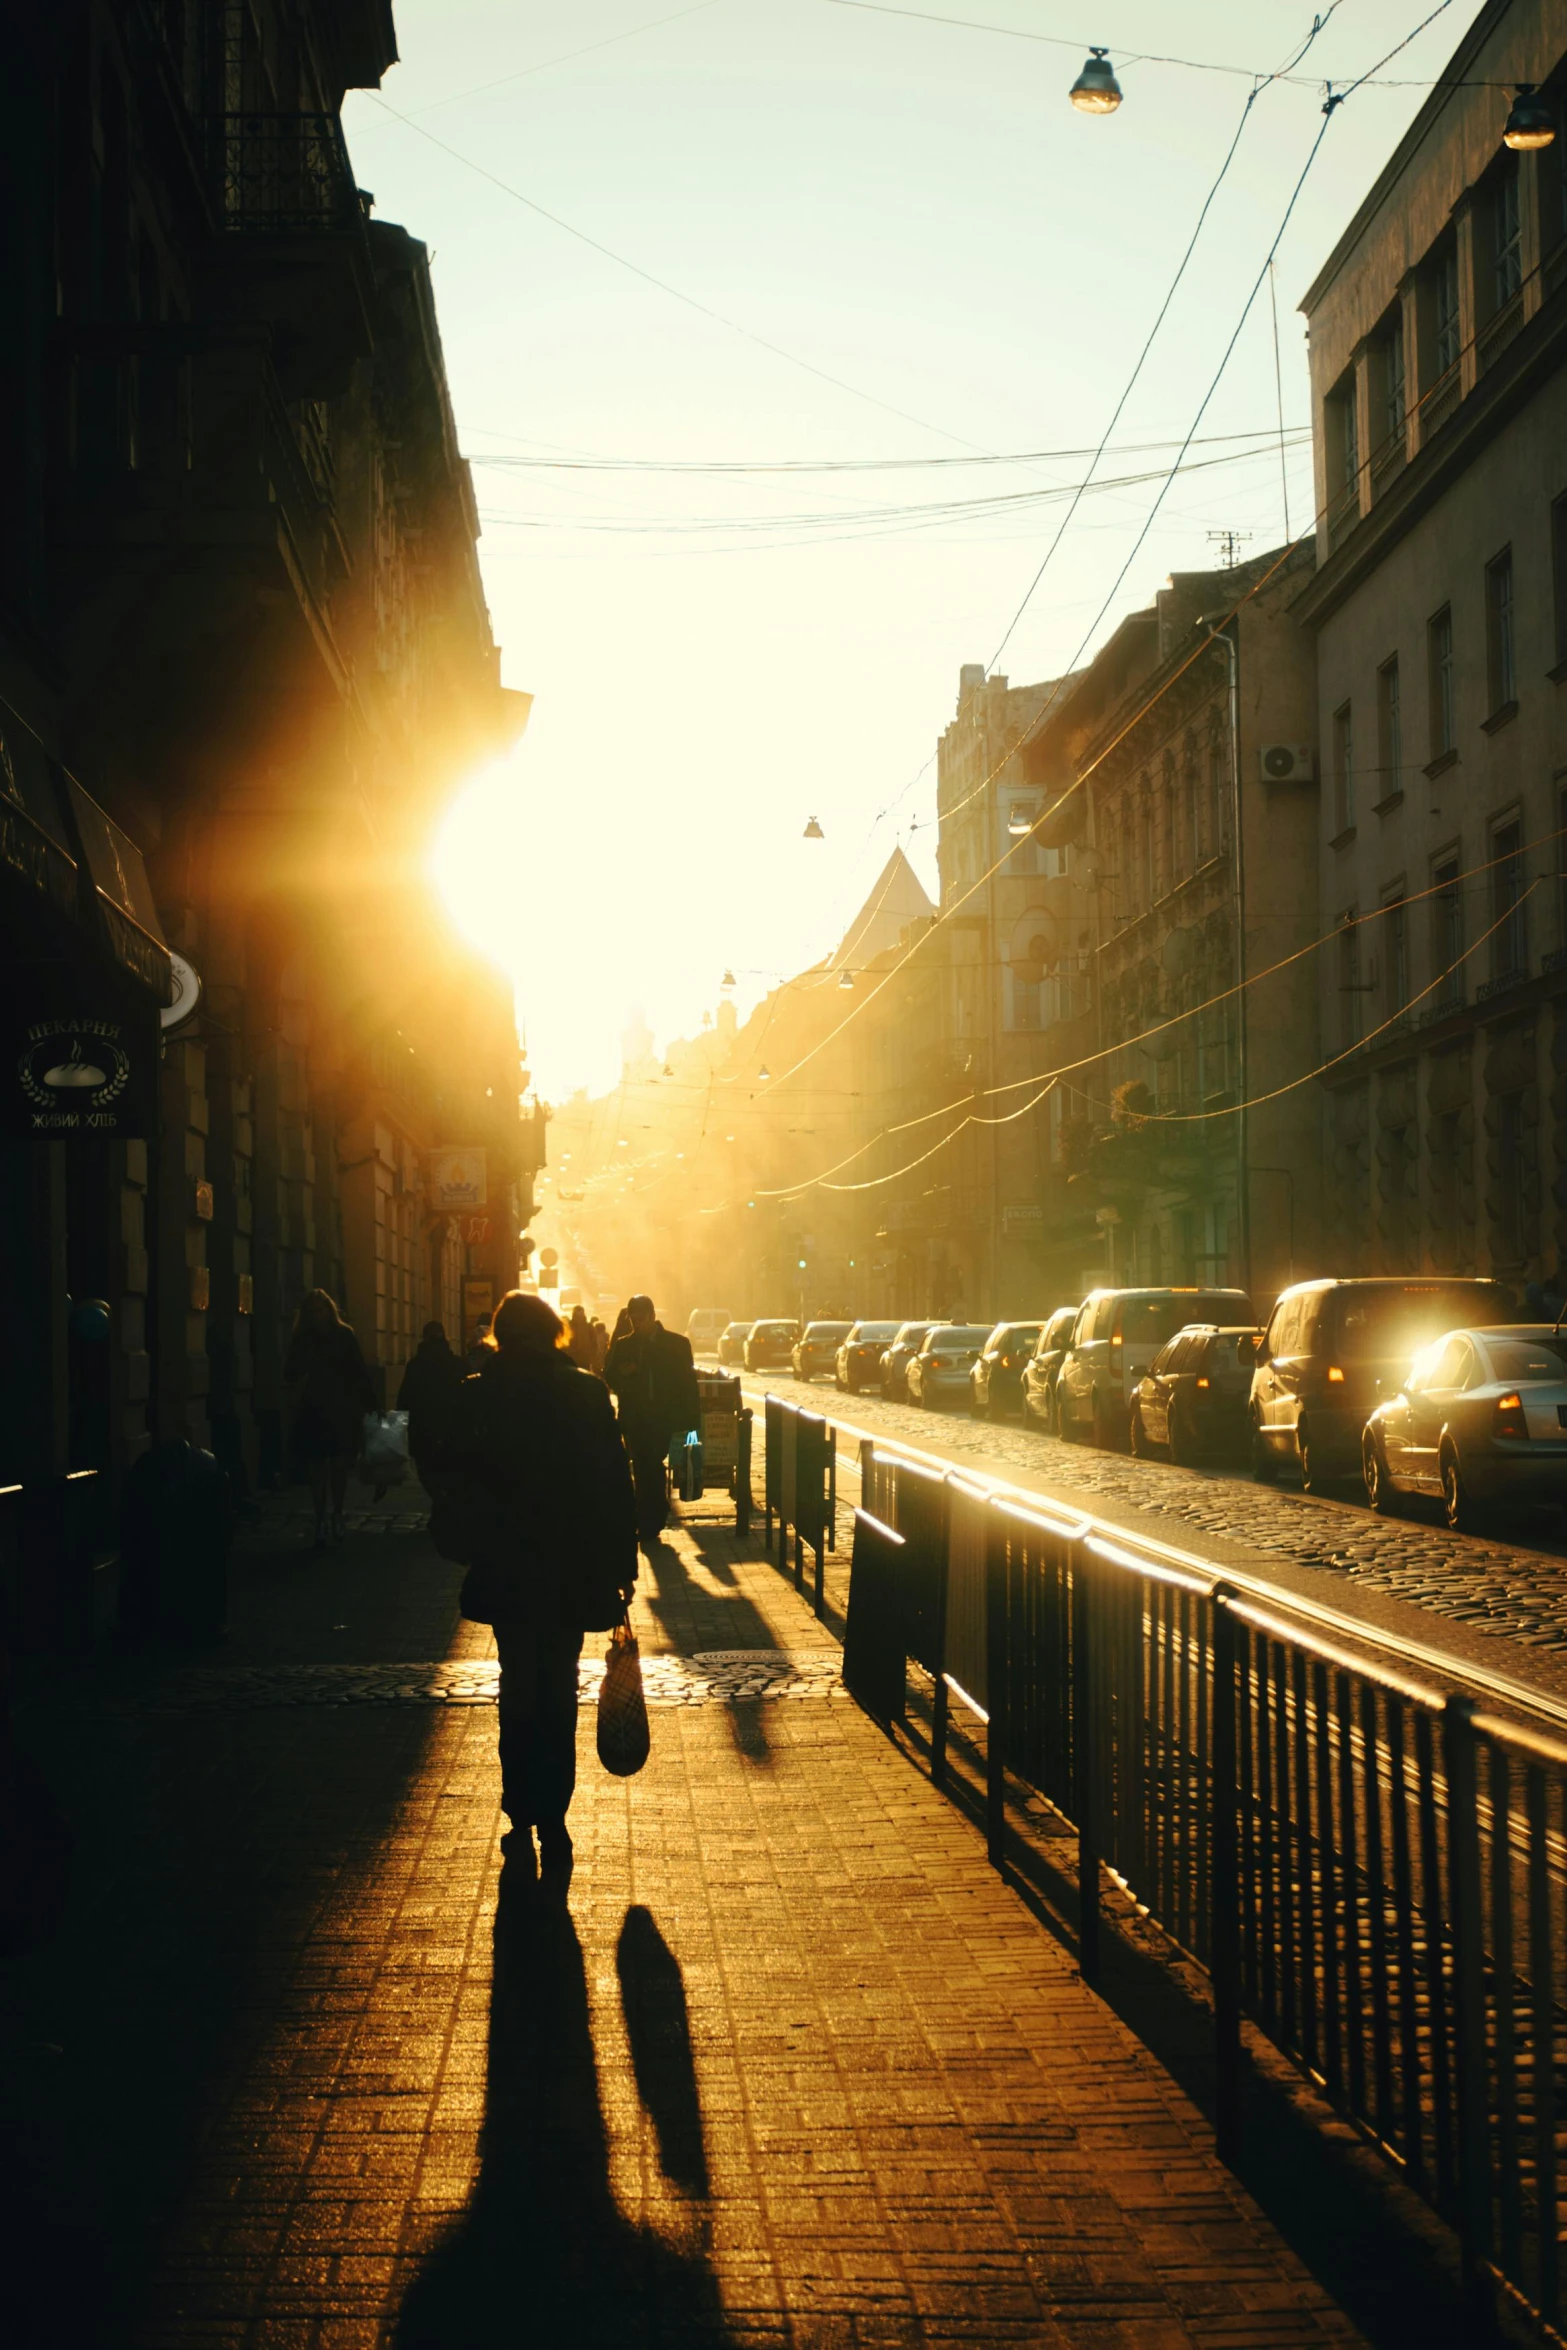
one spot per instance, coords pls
(1371, 1868)
(282, 174)
(800, 1489)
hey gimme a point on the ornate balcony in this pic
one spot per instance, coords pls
(293, 242)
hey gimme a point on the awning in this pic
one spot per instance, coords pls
(118, 876)
(33, 847)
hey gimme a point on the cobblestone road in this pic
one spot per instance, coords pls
(1493, 1585)
(305, 2073)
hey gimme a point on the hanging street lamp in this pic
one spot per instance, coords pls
(813, 831)
(1530, 123)
(1096, 90)
(764, 1073)
(1019, 821)
(728, 979)
(846, 978)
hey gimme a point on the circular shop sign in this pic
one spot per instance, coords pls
(187, 994)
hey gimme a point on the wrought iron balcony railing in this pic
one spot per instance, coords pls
(282, 174)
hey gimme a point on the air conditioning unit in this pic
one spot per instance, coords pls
(1287, 763)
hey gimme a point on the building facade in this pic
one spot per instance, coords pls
(244, 656)
(1180, 774)
(1438, 334)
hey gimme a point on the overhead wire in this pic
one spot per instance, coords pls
(569, 57)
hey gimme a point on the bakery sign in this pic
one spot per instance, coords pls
(456, 1181)
(70, 1072)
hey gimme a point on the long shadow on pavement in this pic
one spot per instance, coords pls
(695, 1619)
(543, 2254)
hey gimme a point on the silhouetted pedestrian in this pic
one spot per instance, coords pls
(332, 1391)
(428, 1395)
(537, 1468)
(600, 1346)
(481, 1339)
(653, 1376)
(580, 1344)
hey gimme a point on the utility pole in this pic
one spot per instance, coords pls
(1230, 543)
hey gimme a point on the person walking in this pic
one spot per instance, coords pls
(653, 1378)
(535, 1465)
(428, 1395)
(332, 1390)
(481, 1339)
(600, 1345)
(580, 1344)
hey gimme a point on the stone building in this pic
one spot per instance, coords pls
(1179, 777)
(1438, 331)
(244, 648)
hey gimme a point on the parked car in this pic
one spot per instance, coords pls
(705, 1327)
(769, 1346)
(731, 1343)
(895, 1362)
(1481, 1417)
(859, 1358)
(816, 1348)
(939, 1372)
(1334, 1349)
(1193, 1398)
(1114, 1339)
(996, 1380)
(1039, 1373)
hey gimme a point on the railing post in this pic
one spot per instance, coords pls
(867, 1474)
(1085, 1762)
(743, 1472)
(940, 1694)
(832, 1489)
(996, 1690)
(1224, 1927)
(1463, 1893)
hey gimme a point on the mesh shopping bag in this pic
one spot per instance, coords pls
(622, 1722)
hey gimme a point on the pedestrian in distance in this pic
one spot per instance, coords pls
(331, 1390)
(538, 1499)
(580, 1343)
(481, 1339)
(600, 1345)
(428, 1395)
(653, 1377)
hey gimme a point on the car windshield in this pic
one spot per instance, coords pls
(957, 1334)
(1148, 1321)
(1395, 1323)
(736, 1329)
(877, 1330)
(1528, 1358)
(774, 1330)
(1231, 1350)
(815, 1330)
(912, 1332)
(1016, 1334)
(1059, 1327)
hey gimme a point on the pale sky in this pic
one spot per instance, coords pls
(914, 209)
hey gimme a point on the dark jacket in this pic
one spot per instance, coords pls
(428, 1395)
(654, 1381)
(534, 1455)
(334, 1387)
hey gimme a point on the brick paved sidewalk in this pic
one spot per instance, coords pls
(795, 2069)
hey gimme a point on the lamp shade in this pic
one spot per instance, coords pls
(846, 979)
(813, 831)
(1530, 123)
(1096, 90)
(728, 979)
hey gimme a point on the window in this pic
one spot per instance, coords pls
(1349, 981)
(1511, 1141)
(1350, 416)
(1173, 862)
(1027, 993)
(1390, 729)
(1395, 928)
(1507, 233)
(1343, 769)
(1559, 571)
(1500, 662)
(1439, 647)
(1447, 931)
(1393, 383)
(1509, 939)
(1444, 289)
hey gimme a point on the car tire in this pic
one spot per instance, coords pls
(1264, 1460)
(1137, 1436)
(1382, 1495)
(1458, 1505)
(1179, 1445)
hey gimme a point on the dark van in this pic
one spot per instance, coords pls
(1333, 1349)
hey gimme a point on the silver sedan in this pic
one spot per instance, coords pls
(1481, 1417)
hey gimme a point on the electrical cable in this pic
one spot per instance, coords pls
(610, 41)
(791, 465)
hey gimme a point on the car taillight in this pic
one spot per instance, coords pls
(1335, 1375)
(1115, 1354)
(936, 1362)
(1509, 1417)
(1203, 1380)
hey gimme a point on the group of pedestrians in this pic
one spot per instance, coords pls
(541, 1489)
